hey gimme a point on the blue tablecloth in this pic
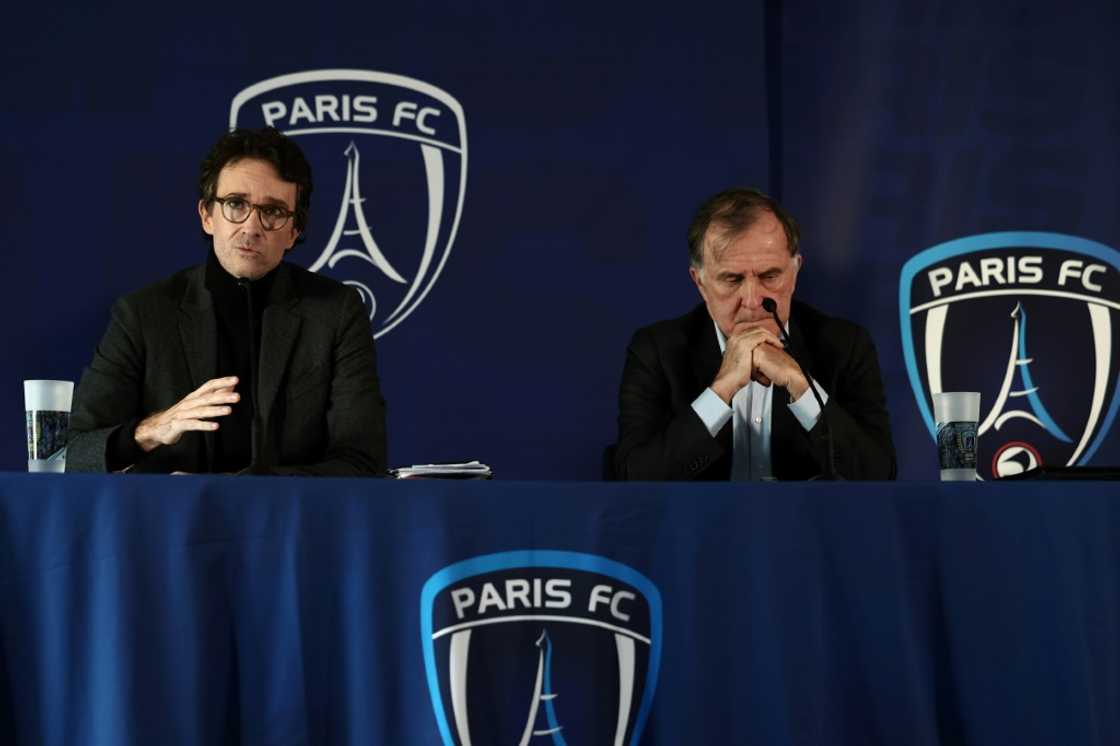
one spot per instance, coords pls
(193, 610)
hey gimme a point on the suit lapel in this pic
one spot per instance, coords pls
(198, 331)
(704, 351)
(279, 329)
(705, 356)
(801, 348)
(791, 451)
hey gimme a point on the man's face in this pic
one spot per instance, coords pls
(246, 249)
(755, 264)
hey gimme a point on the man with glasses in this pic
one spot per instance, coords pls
(245, 363)
(718, 393)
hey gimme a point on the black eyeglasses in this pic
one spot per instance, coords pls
(238, 210)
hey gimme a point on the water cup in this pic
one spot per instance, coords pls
(957, 413)
(47, 404)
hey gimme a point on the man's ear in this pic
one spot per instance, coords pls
(697, 276)
(205, 214)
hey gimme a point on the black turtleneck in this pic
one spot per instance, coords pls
(238, 335)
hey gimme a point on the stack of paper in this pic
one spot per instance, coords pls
(466, 470)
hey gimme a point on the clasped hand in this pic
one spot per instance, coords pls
(755, 353)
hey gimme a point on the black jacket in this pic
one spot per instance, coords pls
(670, 363)
(320, 404)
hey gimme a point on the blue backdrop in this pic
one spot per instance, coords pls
(587, 136)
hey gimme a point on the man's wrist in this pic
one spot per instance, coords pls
(122, 451)
(143, 437)
(724, 390)
(797, 386)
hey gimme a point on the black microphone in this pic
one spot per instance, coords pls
(771, 307)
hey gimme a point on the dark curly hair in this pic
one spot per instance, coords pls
(266, 144)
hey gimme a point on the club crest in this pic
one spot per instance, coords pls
(540, 647)
(389, 154)
(1028, 320)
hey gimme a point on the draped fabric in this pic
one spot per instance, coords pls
(287, 611)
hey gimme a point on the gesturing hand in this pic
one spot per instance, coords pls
(193, 412)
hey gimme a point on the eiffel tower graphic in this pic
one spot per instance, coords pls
(544, 701)
(1018, 365)
(351, 213)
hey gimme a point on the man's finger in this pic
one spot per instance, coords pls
(216, 383)
(225, 396)
(216, 396)
(187, 425)
(754, 336)
(750, 344)
(202, 412)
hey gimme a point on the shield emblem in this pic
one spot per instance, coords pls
(389, 157)
(540, 647)
(1027, 319)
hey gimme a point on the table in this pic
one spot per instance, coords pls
(190, 610)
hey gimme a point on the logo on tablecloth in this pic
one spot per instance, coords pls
(1029, 321)
(389, 155)
(540, 647)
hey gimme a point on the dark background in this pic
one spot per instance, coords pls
(594, 130)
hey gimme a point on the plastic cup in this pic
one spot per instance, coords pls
(47, 404)
(957, 413)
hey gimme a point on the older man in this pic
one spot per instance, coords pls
(244, 363)
(716, 394)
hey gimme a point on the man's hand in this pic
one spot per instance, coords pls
(738, 366)
(756, 353)
(193, 412)
(777, 365)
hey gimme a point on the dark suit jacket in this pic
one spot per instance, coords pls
(321, 410)
(670, 363)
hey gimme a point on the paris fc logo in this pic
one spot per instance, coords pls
(1030, 321)
(389, 155)
(540, 647)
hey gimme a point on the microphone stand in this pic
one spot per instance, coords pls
(771, 307)
(254, 354)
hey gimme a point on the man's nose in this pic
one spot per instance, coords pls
(750, 293)
(254, 224)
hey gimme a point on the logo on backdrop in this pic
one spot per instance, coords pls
(389, 155)
(540, 647)
(1028, 320)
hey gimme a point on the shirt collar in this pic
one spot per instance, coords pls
(225, 286)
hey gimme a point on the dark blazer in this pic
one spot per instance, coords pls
(321, 410)
(670, 363)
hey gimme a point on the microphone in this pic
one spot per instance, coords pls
(771, 307)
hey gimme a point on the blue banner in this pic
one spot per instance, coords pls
(509, 189)
(953, 165)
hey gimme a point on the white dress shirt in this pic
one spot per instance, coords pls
(750, 415)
